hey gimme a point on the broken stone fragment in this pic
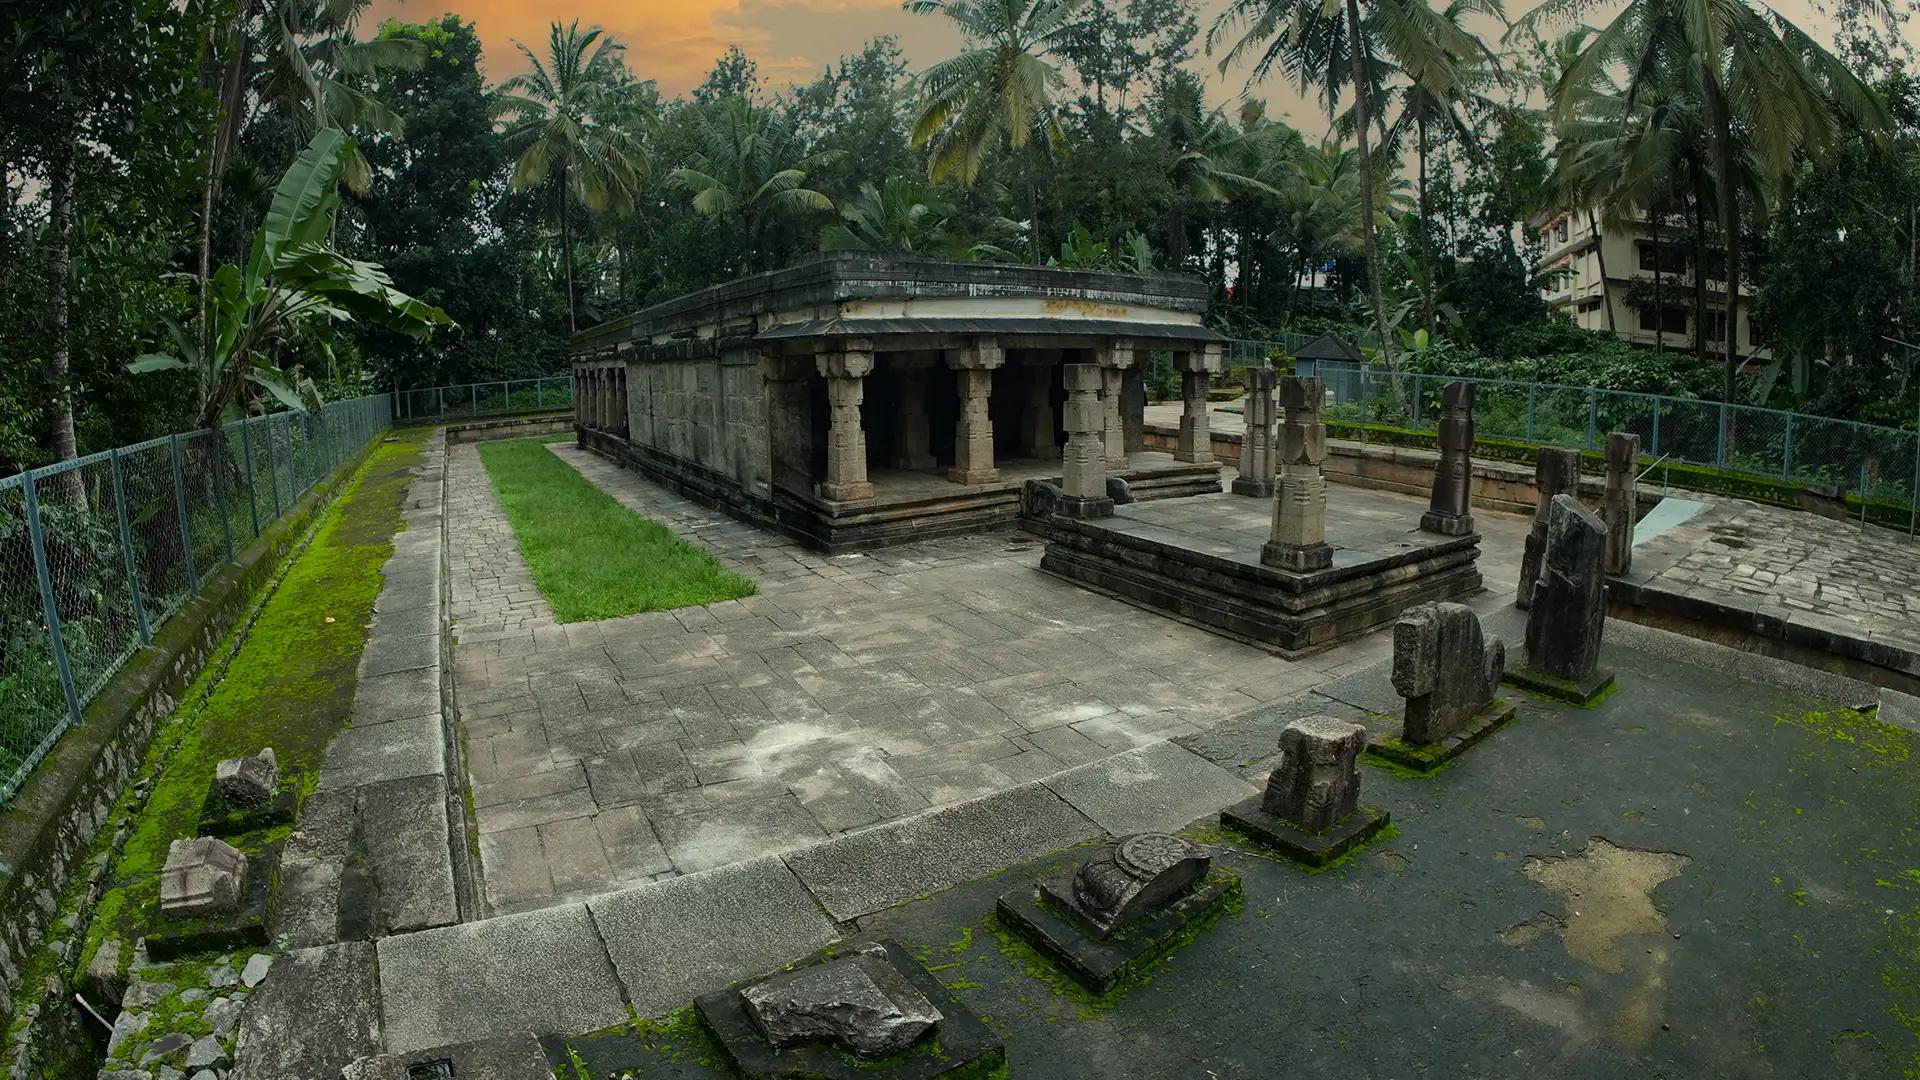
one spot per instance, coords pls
(247, 781)
(1569, 609)
(1134, 877)
(1317, 782)
(859, 1000)
(1445, 668)
(203, 876)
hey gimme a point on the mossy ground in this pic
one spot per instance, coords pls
(591, 557)
(289, 685)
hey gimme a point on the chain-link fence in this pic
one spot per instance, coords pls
(1872, 463)
(484, 399)
(98, 552)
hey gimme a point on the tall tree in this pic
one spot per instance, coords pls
(1006, 84)
(748, 167)
(313, 67)
(578, 116)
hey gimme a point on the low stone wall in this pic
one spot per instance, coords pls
(49, 826)
(509, 427)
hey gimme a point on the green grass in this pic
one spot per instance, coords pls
(591, 557)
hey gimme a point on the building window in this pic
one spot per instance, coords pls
(1663, 258)
(1716, 326)
(1589, 305)
(1560, 233)
(1669, 320)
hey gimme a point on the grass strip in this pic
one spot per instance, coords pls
(591, 557)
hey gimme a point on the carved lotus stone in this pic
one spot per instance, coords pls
(1134, 877)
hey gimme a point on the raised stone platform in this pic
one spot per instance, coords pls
(1198, 560)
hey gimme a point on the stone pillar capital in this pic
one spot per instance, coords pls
(979, 354)
(785, 367)
(1205, 358)
(843, 361)
(1115, 353)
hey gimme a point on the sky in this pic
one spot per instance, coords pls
(675, 42)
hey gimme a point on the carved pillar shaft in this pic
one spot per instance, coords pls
(845, 372)
(1196, 368)
(1114, 358)
(1451, 511)
(1084, 461)
(1619, 507)
(973, 433)
(1299, 538)
(1256, 446)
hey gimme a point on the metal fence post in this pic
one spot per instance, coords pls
(1655, 451)
(246, 462)
(1720, 439)
(1533, 392)
(180, 506)
(48, 607)
(273, 468)
(1913, 493)
(126, 549)
(1593, 415)
(1414, 411)
(1786, 453)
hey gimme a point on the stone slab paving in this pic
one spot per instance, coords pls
(490, 590)
(851, 690)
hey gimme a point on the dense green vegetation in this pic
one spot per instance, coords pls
(144, 140)
(591, 557)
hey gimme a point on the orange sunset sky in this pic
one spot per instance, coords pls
(676, 41)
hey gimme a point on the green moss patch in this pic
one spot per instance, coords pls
(591, 557)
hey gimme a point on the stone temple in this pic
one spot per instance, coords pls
(855, 400)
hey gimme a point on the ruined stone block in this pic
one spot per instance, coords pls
(247, 781)
(1445, 669)
(858, 1000)
(202, 876)
(1317, 782)
(1450, 512)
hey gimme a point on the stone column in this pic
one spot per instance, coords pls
(1620, 506)
(973, 434)
(1316, 785)
(1556, 471)
(1451, 511)
(1114, 358)
(1299, 541)
(846, 371)
(912, 441)
(1036, 418)
(1570, 603)
(1196, 366)
(579, 396)
(789, 420)
(1256, 446)
(1084, 473)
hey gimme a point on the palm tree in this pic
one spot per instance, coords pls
(904, 215)
(311, 65)
(1307, 39)
(1203, 152)
(748, 166)
(1005, 85)
(577, 115)
(1767, 94)
(1321, 209)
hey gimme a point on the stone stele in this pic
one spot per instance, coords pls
(1317, 783)
(1299, 536)
(1134, 877)
(859, 1000)
(1556, 471)
(1620, 506)
(1450, 513)
(203, 876)
(1569, 609)
(1445, 668)
(247, 781)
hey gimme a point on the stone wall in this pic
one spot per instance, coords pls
(710, 412)
(50, 825)
(516, 427)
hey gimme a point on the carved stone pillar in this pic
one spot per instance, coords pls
(1256, 447)
(789, 420)
(1084, 462)
(1450, 513)
(912, 440)
(1556, 471)
(1036, 417)
(1114, 358)
(1619, 507)
(846, 370)
(1299, 541)
(1196, 367)
(973, 434)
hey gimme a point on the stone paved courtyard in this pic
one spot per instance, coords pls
(851, 690)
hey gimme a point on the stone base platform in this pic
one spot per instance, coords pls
(1198, 560)
(1581, 692)
(906, 506)
(1101, 963)
(1311, 849)
(1434, 755)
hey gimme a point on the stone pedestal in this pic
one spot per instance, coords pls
(1619, 508)
(1311, 809)
(912, 441)
(973, 433)
(1196, 369)
(202, 876)
(1083, 463)
(1569, 609)
(1448, 672)
(1256, 447)
(1450, 512)
(1299, 536)
(1556, 471)
(846, 373)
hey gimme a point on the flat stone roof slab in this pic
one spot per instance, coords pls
(684, 936)
(1157, 788)
(538, 971)
(865, 871)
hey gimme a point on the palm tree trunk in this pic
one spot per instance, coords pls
(566, 248)
(1176, 237)
(1600, 256)
(59, 306)
(1699, 262)
(1659, 286)
(1426, 231)
(1730, 224)
(1366, 180)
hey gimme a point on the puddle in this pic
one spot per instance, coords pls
(1608, 894)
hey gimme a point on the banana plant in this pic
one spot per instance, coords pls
(293, 280)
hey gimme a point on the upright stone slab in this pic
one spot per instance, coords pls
(202, 876)
(1083, 481)
(1620, 506)
(1569, 609)
(1256, 447)
(1311, 809)
(1196, 368)
(1450, 513)
(1448, 672)
(1299, 537)
(1556, 471)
